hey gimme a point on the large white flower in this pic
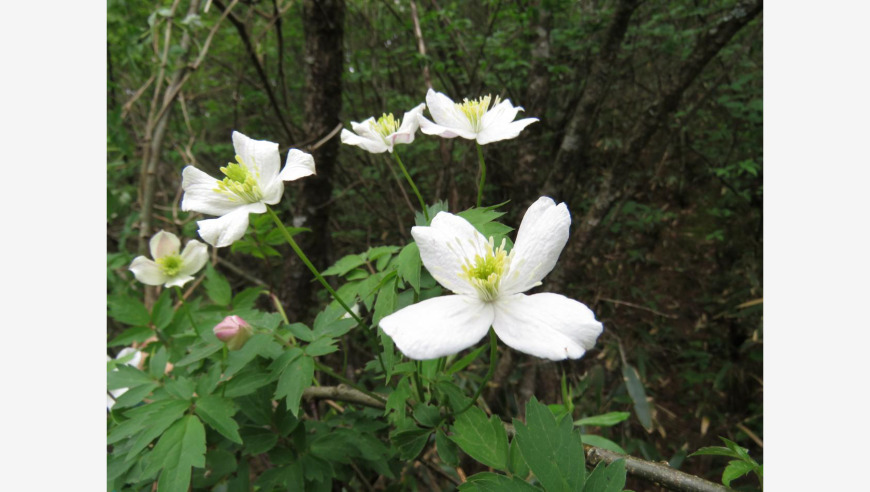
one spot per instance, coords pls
(134, 361)
(252, 182)
(381, 135)
(473, 120)
(168, 267)
(488, 284)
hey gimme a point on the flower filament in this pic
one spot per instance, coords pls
(170, 264)
(475, 109)
(485, 272)
(386, 125)
(240, 183)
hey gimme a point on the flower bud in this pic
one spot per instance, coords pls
(234, 331)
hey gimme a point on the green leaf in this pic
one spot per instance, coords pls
(157, 363)
(345, 265)
(238, 359)
(155, 423)
(466, 360)
(552, 450)
(301, 332)
(518, 466)
(427, 415)
(493, 482)
(734, 470)
(147, 417)
(199, 352)
(133, 396)
(410, 441)
(218, 413)
(130, 335)
(129, 311)
(386, 303)
(126, 377)
(258, 440)
(181, 388)
(607, 478)
(604, 420)
(601, 442)
(161, 313)
(293, 381)
(447, 449)
(245, 383)
(246, 298)
(321, 346)
(409, 263)
(217, 287)
(485, 441)
(181, 447)
(716, 451)
(638, 396)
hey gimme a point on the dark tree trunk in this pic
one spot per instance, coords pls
(323, 22)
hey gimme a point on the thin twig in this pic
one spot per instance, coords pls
(637, 306)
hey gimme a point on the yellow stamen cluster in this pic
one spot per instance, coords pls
(386, 125)
(475, 109)
(485, 272)
(240, 183)
(170, 264)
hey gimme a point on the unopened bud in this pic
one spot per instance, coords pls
(234, 331)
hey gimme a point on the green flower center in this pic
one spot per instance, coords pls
(386, 125)
(170, 264)
(475, 109)
(240, 184)
(485, 272)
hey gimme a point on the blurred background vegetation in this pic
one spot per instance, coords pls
(650, 131)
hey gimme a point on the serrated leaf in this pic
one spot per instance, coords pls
(152, 423)
(321, 346)
(482, 439)
(638, 396)
(345, 265)
(126, 377)
(217, 288)
(246, 298)
(258, 440)
(604, 420)
(410, 441)
(517, 464)
(180, 387)
(130, 335)
(301, 332)
(245, 383)
(716, 451)
(129, 311)
(293, 381)
(447, 449)
(133, 396)
(551, 449)
(218, 413)
(238, 359)
(161, 313)
(610, 478)
(410, 264)
(493, 482)
(199, 352)
(181, 447)
(157, 363)
(386, 303)
(734, 470)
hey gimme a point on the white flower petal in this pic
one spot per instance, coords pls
(147, 272)
(200, 195)
(179, 280)
(137, 356)
(446, 246)
(546, 325)
(439, 326)
(228, 229)
(503, 132)
(364, 129)
(375, 145)
(299, 164)
(499, 115)
(445, 114)
(273, 192)
(410, 124)
(193, 258)
(430, 128)
(164, 244)
(542, 235)
(259, 156)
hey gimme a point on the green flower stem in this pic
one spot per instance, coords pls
(418, 383)
(413, 186)
(180, 296)
(311, 267)
(482, 173)
(493, 359)
(322, 280)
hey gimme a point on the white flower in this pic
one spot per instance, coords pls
(252, 182)
(473, 120)
(168, 267)
(489, 285)
(381, 135)
(115, 393)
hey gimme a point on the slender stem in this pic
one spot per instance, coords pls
(413, 186)
(311, 267)
(418, 383)
(482, 173)
(322, 280)
(327, 370)
(186, 309)
(493, 358)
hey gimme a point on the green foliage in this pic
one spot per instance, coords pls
(742, 465)
(552, 450)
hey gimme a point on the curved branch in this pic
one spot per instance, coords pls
(663, 475)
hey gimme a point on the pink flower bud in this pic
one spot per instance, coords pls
(234, 331)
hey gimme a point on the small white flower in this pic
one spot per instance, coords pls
(474, 120)
(381, 135)
(168, 267)
(115, 393)
(489, 285)
(251, 183)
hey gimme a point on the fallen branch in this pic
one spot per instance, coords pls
(663, 475)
